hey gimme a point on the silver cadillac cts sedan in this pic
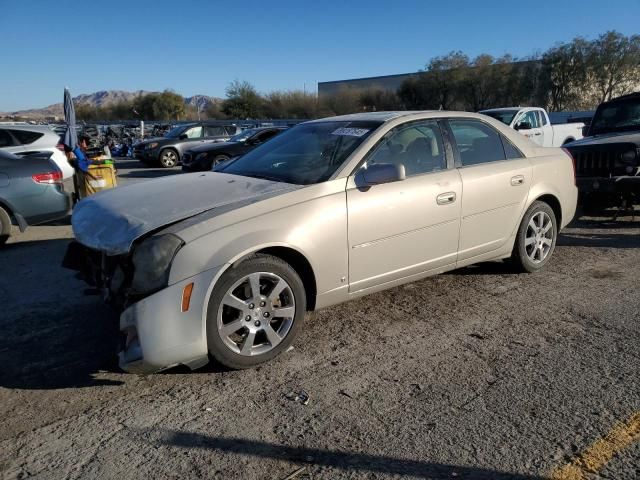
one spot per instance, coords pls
(225, 264)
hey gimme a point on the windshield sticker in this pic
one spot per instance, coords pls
(350, 132)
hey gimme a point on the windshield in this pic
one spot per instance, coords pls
(176, 131)
(618, 116)
(306, 154)
(242, 136)
(505, 116)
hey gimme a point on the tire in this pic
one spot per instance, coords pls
(219, 159)
(536, 238)
(169, 158)
(237, 334)
(5, 226)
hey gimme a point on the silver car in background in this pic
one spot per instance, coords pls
(25, 139)
(225, 264)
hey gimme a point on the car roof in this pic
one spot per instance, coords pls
(503, 109)
(30, 128)
(370, 116)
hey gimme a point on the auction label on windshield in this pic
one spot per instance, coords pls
(350, 132)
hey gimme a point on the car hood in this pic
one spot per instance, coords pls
(603, 139)
(112, 220)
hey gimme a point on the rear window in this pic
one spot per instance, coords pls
(25, 137)
(5, 139)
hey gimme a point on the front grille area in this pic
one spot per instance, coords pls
(601, 160)
(595, 163)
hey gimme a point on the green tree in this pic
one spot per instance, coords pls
(614, 64)
(243, 101)
(565, 71)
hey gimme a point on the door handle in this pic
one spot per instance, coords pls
(517, 180)
(446, 198)
(538, 133)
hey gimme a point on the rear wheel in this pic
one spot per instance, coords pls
(536, 238)
(5, 226)
(255, 312)
(168, 158)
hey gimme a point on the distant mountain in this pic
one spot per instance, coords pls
(103, 99)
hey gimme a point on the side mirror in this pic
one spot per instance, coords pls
(380, 173)
(523, 126)
(585, 131)
(183, 136)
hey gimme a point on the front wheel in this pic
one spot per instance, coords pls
(536, 238)
(255, 312)
(168, 158)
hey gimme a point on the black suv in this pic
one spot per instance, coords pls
(203, 158)
(608, 158)
(168, 150)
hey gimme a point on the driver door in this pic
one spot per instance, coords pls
(405, 228)
(534, 133)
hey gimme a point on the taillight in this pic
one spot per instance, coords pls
(573, 162)
(47, 178)
(60, 147)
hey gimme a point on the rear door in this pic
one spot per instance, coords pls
(495, 183)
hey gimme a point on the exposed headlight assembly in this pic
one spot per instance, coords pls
(152, 262)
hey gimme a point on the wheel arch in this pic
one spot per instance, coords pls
(299, 263)
(554, 203)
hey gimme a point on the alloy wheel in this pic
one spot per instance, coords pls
(256, 313)
(169, 158)
(539, 237)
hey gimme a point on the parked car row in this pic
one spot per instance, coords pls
(204, 157)
(225, 264)
(167, 151)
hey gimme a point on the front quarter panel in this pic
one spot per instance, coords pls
(311, 220)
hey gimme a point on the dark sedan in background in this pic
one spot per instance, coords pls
(203, 158)
(168, 150)
(31, 192)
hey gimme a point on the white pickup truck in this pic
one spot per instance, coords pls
(533, 122)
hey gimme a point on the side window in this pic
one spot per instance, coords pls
(195, 132)
(509, 148)
(477, 142)
(26, 137)
(213, 131)
(417, 146)
(232, 130)
(531, 117)
(5, 139)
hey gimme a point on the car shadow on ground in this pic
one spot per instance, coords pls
(348, 461)
(53, 336)
(53, 348)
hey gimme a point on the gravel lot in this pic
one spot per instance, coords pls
(479, 373)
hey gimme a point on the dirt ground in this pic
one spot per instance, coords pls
(479, 373)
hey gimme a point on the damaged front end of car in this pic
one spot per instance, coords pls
(124, 280)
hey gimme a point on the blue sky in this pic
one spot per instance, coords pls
(195, 47)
